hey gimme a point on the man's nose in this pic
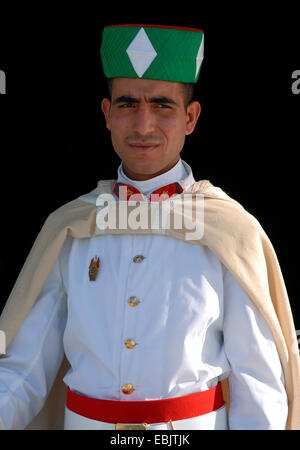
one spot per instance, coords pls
(144, 122)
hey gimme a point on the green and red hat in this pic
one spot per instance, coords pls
(152, 51)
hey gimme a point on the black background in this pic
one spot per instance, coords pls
(55, 147)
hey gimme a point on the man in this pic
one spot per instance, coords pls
(150, 323)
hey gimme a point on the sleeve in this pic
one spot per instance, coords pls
(258, 398)
(33, 358)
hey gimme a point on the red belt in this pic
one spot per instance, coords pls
(149, 411)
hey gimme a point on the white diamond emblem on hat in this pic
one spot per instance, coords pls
(141, 53)
(199, 57)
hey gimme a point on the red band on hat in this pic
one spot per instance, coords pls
(157, 26)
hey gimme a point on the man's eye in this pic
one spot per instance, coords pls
(126, 105)
(162, 106)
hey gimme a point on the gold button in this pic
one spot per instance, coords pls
(127, 388)
(133, 300)
(138, 259)
(130, 343)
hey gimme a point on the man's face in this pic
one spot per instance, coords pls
(148, 121)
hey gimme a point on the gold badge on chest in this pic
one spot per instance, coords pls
(94, 268)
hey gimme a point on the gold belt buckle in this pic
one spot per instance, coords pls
(131, 426)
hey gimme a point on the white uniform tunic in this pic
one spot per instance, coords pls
(189, 322)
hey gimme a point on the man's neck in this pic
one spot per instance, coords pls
(143, 177)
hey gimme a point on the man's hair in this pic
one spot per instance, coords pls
(188, 93)
(187, 90)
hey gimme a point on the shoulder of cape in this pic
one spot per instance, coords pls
(225, 216)
(238, 240)
(78, 214)
(70, 215)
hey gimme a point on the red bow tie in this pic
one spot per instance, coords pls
(124, 192)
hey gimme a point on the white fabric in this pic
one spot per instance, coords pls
(200, 56)
(216, 420)
(141, 52)
(194, 327)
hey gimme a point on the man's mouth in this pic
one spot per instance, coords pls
(143, 147)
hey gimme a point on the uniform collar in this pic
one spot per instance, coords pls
(181, 173)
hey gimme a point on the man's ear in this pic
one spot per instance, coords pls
(105, 106)
(193, 113)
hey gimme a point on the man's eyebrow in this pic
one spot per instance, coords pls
(164, 100)
(128, 99)
(125, 99)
